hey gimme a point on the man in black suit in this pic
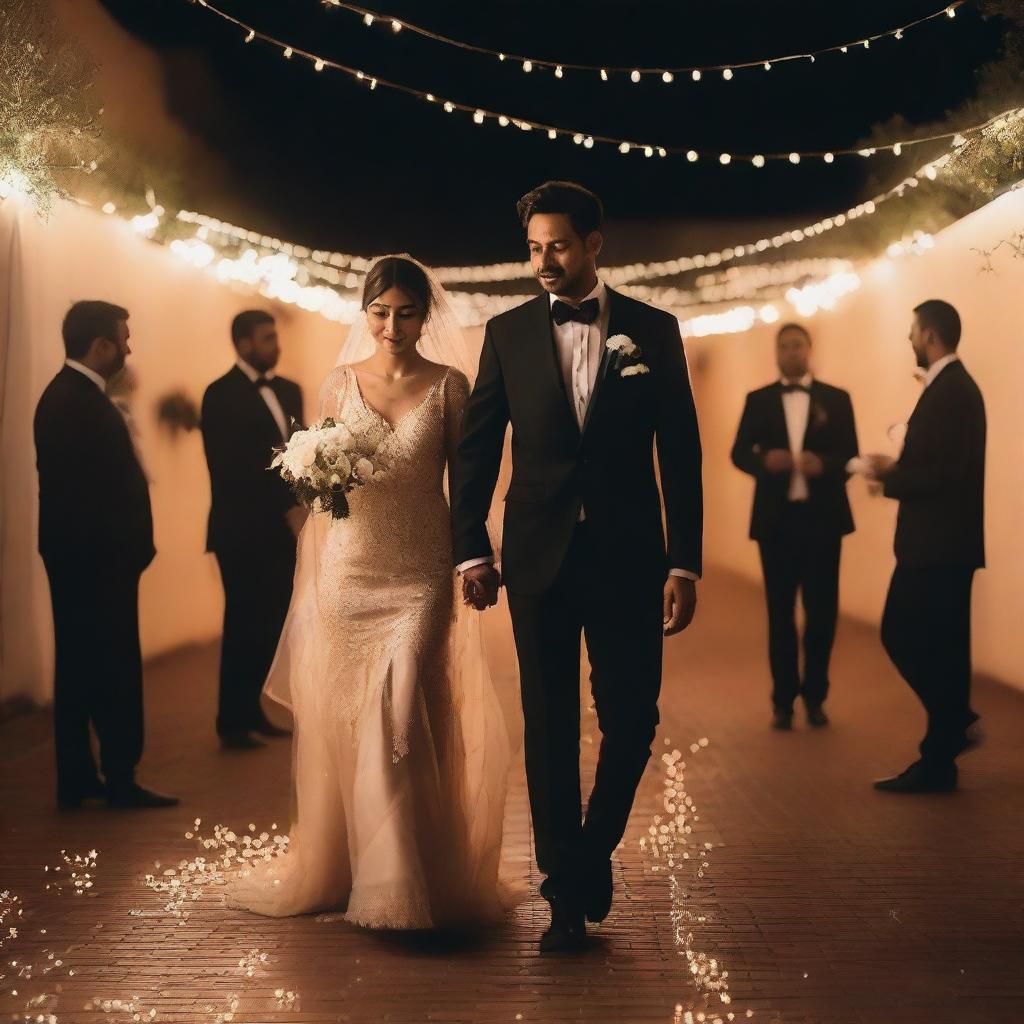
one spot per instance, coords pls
(254, 520)
(96, 538)
(939, 481)
(795, 438)
(590, 380)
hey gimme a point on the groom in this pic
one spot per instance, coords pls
(590, 380)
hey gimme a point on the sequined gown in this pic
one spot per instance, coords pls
(400, 751)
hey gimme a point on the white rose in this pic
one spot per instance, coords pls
(622, 343)
(364, 469)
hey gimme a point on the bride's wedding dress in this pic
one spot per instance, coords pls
(400, 748)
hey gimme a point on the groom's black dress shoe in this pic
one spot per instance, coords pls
(240, 740)
(920, 778)
(133, 795)
(567, 932)
(598, 893)
(782, 719)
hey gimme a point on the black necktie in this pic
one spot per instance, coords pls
(788, 389)
(584, 313)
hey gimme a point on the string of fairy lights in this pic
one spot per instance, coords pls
(636, 74)
(588, 140)
(345, 270)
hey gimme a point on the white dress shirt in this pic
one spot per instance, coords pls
(797, 407)
(580, 348)
(938, 366)
(85, 371)
(269, 396)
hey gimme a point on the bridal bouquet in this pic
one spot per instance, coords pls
(325, 462)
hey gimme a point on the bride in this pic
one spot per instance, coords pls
(400, 751)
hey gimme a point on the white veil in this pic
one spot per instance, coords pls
(442, 341)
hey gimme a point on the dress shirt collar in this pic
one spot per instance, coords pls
(804, 382)
(938, 366)
(599, 292)
(251, 372)
(86, 372)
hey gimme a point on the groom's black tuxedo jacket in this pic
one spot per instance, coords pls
(607, 467)
(249, 501)
(831, 435)
(940, 477)
(93, 495)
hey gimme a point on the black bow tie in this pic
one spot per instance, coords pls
(584, 313)
(788, 389)
(263, 382)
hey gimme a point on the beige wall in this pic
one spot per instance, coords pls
(862, 346)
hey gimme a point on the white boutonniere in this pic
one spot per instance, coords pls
(626, 356)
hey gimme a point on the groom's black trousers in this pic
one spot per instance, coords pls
(621, 620)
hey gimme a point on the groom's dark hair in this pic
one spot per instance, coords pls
(943, 319)
(583, 208)
(86, 321)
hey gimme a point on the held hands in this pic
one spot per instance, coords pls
(680, 602)
(480, 585)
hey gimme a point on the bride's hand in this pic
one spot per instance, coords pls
(680, 603)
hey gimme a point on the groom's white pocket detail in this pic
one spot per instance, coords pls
(635, 370)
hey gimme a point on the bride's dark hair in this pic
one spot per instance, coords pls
(397, 272)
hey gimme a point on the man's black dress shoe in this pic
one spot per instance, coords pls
(782, 719)
(240, 740)
(598, 881)
(133, 795)
(920, 778)
(568, 931)
(816, 717)
(265, 727)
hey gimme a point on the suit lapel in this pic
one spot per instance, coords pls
(245, 387)
(615, 326)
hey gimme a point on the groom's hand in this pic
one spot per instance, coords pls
(680, 604)
(480, 584)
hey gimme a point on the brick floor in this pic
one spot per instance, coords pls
(822, 901)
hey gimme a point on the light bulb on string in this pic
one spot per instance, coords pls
(867, 44)
(367, 20)
(559, 72)
(588, 142)
(758, 161)
(767, 65)
(727, 74)
(250, 36)
(578, 139)
(503, 121)
(288, 52)
(695, 75)
(527, 66)
(648, 151)
(794, 158)
(624, 147)
(501, 57)
(899, 33)
(844, 49)
(449, 107)
(635, 77)
(897, 149)
(951, 12)
(396, 26)
(692, 155)
(604, 75)
(724, 159)
(478, 117)
(319, 64)
(552, 134)
(668, 78)
(829, 158)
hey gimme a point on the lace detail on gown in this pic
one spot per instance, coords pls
(400, 749)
